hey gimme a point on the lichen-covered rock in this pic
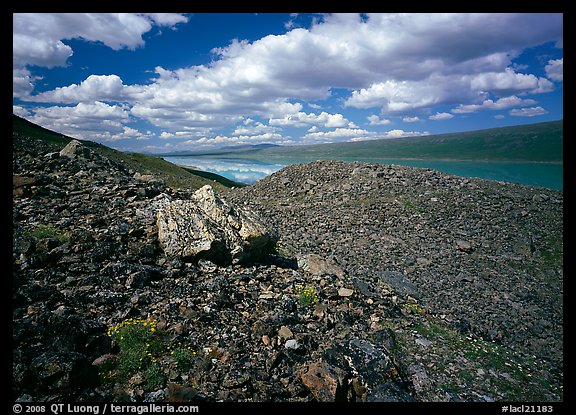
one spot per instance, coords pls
(326, 383)
(208, 227)
(75, 149)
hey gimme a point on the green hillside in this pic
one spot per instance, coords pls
(174, 176)
(535, 142)
(541, 142)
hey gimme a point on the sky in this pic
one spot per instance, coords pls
(165, 82)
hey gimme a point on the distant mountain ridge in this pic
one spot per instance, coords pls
(242, 148)
(539, 142)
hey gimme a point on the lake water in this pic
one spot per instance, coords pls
(249, 171)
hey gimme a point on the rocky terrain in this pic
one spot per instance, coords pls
(374, 283)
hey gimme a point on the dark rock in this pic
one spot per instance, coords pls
(181, 393)
(57, 372)
(399, 283)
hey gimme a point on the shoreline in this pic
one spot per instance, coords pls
(249, 156)
(519, 172)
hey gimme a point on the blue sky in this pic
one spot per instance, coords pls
(170, 82)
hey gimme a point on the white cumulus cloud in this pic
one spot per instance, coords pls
(301, 119)
(95, 87)
(339, 134)
(510, 81)
(555, 69)
(85, 120)
(398, 63)
(251, 127)
(528, 112)
(376, 120)
(38, 37)
(441, 116)
(488, 104)
(402, 133)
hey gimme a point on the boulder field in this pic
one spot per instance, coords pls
(326, 281)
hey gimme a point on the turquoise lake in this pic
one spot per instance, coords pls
(249, 171)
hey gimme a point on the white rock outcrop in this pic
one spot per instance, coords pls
(75, 149)
(207, 227)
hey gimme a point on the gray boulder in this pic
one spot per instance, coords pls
(75, 149)
(207, 227)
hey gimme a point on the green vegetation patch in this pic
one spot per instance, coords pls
(47, 231)
(553, 252)
(457, 363)
(140, 349)
(307, 296)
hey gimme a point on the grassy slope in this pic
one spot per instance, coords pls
(174, 176)
(212, 176)
(541, 142)
(536, 142)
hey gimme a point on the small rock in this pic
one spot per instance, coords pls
(345, 292)
(316, 265)
(285, 333)
(464, 246)
(423, 261)
(423, 341)
(102, 360)
(291, 344)
(540, 197)
(319, 311)
(266, 340)
(180, 393)
(324, 381)
(267, 295)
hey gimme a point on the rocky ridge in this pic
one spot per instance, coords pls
(428, 287)
(483, 257)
